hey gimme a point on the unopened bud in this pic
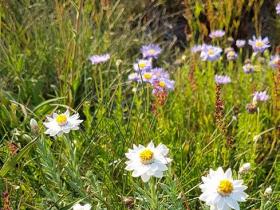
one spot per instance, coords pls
(244, 168)
(128, 202)
(34, 126)
(118, 62)
(268, 191)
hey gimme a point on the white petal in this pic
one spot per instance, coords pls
(145, 177)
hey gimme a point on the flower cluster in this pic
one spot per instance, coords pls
(145, 72)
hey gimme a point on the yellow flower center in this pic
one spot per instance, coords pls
(146, 156)
(61, 119)
(231, 53)
(162, 84)
(152, 51)
(147, 75)
(225, 187)
(259, 44)
(142, 65)
(211, 52)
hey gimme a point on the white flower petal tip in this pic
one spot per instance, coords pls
(81, 207)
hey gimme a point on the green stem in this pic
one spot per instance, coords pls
(154, 199)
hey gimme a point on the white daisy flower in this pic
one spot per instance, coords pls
(80, 207)
(147, 161)
(221, 192)
(62, 123)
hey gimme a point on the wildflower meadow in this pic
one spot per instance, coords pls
(139, 104)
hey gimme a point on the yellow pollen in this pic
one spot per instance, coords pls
(211, 52)
(225, 187)
(146, 156)
(142, 65)
(147, 75)
(152, 51)
(162, 84)
(61, 119)
(259, 44)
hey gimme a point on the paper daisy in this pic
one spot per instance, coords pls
(147, 161)
(80, 207)
(95, 59)
(259, 44)
(210, 53)
(58, 124)
(150, 51)
(142, 65)
(221, 192)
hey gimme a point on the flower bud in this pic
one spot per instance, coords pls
(34, 126)
(245, 168)
(268, 191)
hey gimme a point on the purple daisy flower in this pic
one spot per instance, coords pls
(196, 48)
(217, 34)
(134, 76)
(231, 55)
(248, 68)
(275, 61)
(259, 44)
(162, 84)
(150, 51)
(142, 65)
(210, 53)
(146, 76)
(278, 8)
(159, 73)
(95, 59)
(240, 43)
(221, 80)
(260, 96)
